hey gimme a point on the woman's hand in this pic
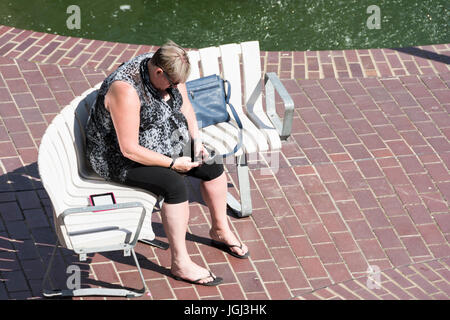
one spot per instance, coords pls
(184, 164)
(200, 151)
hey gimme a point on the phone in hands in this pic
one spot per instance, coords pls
(200, 159)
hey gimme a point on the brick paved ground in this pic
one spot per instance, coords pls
(363, 180)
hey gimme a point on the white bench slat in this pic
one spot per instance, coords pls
(252, 71)
(209, 58)
(194, 58)
(253, 139)
(221, 137)
(231, 71)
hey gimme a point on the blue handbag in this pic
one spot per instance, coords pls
(209, 100)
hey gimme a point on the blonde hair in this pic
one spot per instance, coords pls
(174, 60)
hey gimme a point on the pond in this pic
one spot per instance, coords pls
(277, 24)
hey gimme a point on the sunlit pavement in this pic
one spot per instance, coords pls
(356, 207)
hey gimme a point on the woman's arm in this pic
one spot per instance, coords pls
(124, 106)
(188, 112)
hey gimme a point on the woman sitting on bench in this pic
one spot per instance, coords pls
(139, 133)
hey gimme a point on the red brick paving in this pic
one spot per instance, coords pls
(362, 181)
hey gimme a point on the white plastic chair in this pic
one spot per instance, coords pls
(262, 131)
(69, 182)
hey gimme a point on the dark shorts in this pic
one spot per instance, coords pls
(169, 183)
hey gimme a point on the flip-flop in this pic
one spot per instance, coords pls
(216, 280)
(227, 248)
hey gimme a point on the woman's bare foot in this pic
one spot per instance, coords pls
(227, 237)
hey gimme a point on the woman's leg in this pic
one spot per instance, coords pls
(214, 193)
(175, 220)
(175, 215)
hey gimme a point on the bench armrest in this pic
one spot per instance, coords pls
(102, 210)
(284, 127)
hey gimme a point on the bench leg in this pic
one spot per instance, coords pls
(244, 209)
(83, 292)
(155, 242)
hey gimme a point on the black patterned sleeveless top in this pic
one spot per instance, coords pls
(163, 128)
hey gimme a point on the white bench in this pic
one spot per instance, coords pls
(69, 180)
(240, 64)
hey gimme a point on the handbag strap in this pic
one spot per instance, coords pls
(236, 117)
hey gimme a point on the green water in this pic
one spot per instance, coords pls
(278, 25)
